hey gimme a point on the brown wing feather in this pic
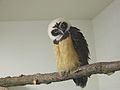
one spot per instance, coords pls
(81, 47)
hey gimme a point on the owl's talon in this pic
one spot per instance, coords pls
(64, 74)
(77, 70)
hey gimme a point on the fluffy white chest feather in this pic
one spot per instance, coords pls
(66, 56)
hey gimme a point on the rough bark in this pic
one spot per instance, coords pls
(47, 78)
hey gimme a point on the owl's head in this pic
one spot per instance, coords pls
(58, 29)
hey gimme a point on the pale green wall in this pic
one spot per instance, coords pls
(107, 42)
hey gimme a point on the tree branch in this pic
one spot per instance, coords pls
(47, 78)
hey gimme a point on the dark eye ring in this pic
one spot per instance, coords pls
(63, 25)
(54, 32)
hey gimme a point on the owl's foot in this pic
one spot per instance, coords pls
(76, 70)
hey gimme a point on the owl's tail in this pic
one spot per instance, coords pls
(81, 81)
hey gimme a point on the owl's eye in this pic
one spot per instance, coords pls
(63, 26)
(55, 32)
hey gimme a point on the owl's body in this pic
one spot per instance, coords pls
(66, 56)
(70, 48)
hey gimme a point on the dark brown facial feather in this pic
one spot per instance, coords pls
(57, 25)
(63, 26)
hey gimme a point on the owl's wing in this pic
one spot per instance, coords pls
(80, 45)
